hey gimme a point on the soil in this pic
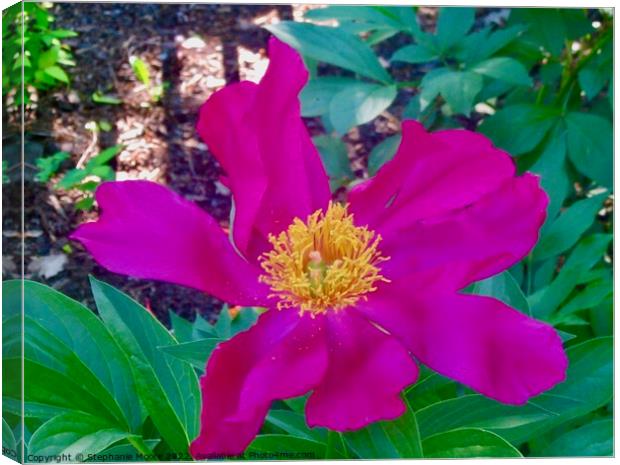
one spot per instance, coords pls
(192, 50)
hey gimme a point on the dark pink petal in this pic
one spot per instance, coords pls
(431, 174)
(367, 371)
(257, 134)
(478, 341)
(147, 231)
(283, 355)
(474, 242)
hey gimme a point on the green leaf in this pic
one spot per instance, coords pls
(141, 70)
(504, 69)
(244, 319)
(319, 92)
(74, 343)
(359, 104)
(105, 156)
(387, 439)
(85, 204)
(414, 54)
(592, 440)
(588, 386)
(566, 230)
(458, 88)
(335, 159)
(481, 45)
(551, 27)
(294, 423)
(588, 252)
(223, 325)
(49, 57)
(71, 178)
(467, 443)
(98, 97)
(453, 24)
(9, 445)
(590, 146)
(186, 331)
(589, 297)
(196, 353)
(503, 287)
(331, 45)
(519, 128)
(167, 386)
(551, 167)
(74, 433)
(383, 152)
(57, 73)
(591, 81)
(48, 166)
(282, 446)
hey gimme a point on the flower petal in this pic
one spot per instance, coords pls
(431, 174)
(475, 242)
(257, 134)
(282, 356)
(147, 231)
(367, 371)
(478, 341)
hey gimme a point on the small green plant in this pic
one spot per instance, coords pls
(142, 73)
(90, 176)
(44, 57)
(48, 166)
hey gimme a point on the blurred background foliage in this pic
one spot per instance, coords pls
(538, 82)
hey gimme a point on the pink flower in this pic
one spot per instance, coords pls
(354, 291)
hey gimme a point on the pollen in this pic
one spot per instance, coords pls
(325, 263)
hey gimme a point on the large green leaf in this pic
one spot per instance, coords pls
(588, 252)
(467, 443)
(76, 341)
(359, 104)
(594, 439)
(196, 353)
(590, 146)
(414, 53)
(335, 159)
(74, 433)
(331, 45)
(9, 444)
(551, 167)
(167, 386)
(503, 287)
(383, 152)
(458, 88)
(505, 69)
(387, 439)
(519, 128)
(316, 96)
(453, 24)
(588, 386)
(294, 423)
(566, 230)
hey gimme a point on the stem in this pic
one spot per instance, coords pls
(529, 273)
(405, 84)
(572, 67)
(142, 447)
(334, 442)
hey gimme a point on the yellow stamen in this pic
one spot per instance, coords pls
(325, 263)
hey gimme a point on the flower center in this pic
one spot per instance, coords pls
(325, 263)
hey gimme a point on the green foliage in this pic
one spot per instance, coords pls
(48, 166)
(538, 86)
(45, 56)
(87, 179)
